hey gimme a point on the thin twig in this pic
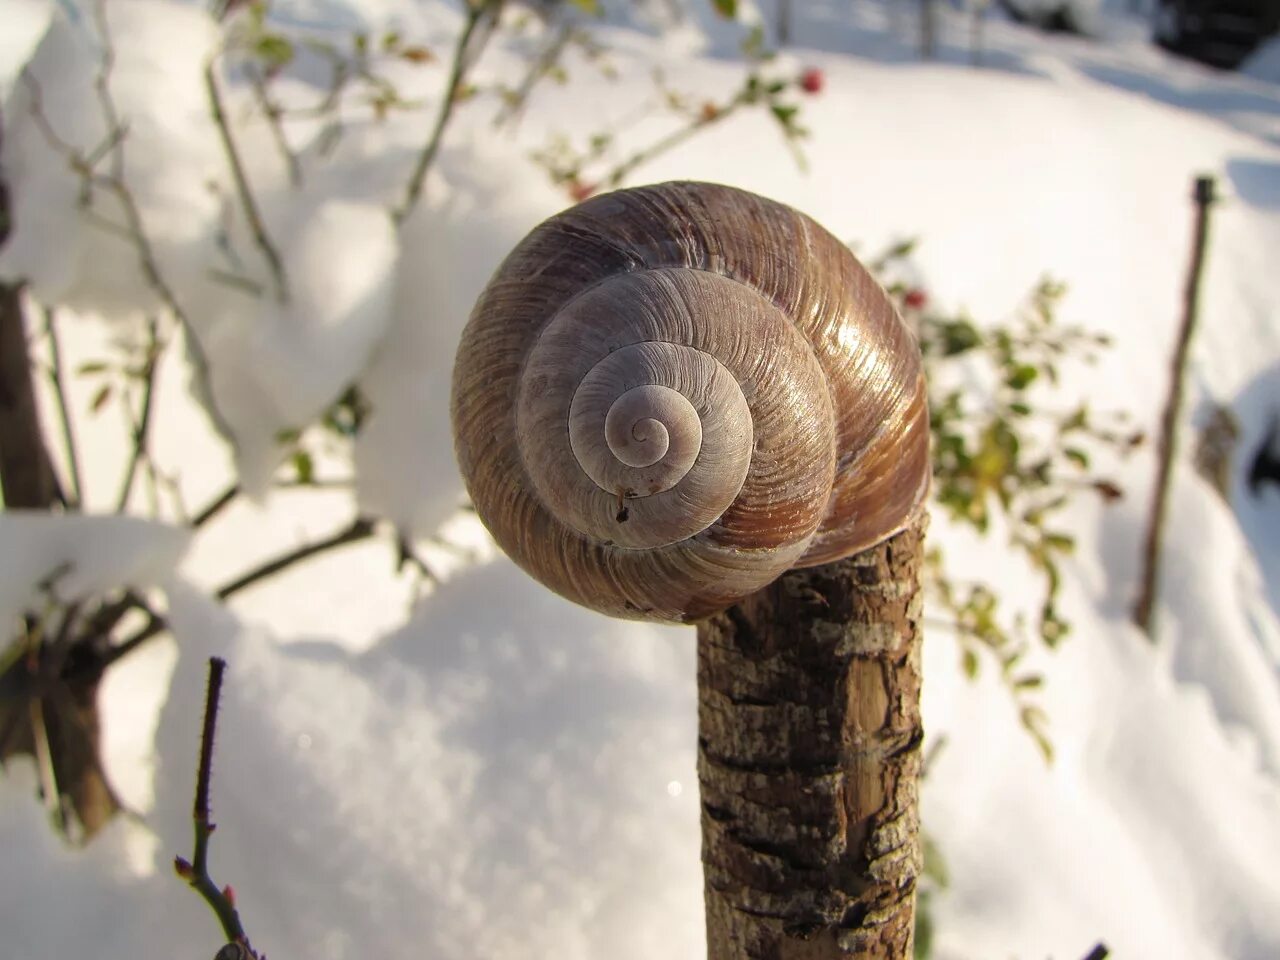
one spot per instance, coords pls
(254, 218)
(465, 54)
(214, 508)
(196, 871)
(64, 412)
(407, 556)
(360, 529)
(539, 68)
(1144, 608)
(102, 88)
(204, 772)
(155, 626)
(670, 141)
(271, 111)
(142, 426)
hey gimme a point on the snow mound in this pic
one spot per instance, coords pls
(277, 365)
(480, 203)
(1263, 63)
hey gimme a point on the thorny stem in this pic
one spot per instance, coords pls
(251, 213)
(142, 426)
(465, 54)
(64, 414)
(205, 770)
(196, 872)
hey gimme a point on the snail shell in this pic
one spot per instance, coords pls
(669, 395)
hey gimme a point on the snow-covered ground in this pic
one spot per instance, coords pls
(494, 773)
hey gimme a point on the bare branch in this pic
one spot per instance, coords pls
(360, 529)
(142, 426)
(213, 509)
(271, 110)
(538, 69)
(672, 140)
(481, 17)
(64, 412)
(251, 213)
(196, 871)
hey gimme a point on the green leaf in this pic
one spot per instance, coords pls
(589, 6)
(785, 114)
(969, 659)
(1077, 456)
(304, 466)
(100, 398)
(901, 249)
(935, 865)
(274, 50)
(726, 8)
(1060, 541)
(958, 336)
(92, 367)
(1022, 376)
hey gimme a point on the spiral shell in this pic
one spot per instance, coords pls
(667, 396)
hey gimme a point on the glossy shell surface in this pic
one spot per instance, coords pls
(667, 396)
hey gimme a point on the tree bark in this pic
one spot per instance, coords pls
(808, 759)
(26, 473)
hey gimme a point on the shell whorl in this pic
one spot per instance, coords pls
(669, 395)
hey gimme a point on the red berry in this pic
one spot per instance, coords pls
(811, 80)
(915, 298)
(580, 191)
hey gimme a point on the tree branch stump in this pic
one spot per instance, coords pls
(808, 760)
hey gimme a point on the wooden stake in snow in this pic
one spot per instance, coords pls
(808, 757)
(1144, 608)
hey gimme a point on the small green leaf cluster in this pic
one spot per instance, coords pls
(1006, 457)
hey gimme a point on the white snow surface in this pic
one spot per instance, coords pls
(72, 255)
(68, 558)
(499, 774)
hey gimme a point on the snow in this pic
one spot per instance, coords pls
(491, 772)
(475, 212)
(277, 366)
(69, 558)
(75, 257)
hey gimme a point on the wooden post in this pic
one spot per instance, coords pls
(1144, 608)
(808, 759)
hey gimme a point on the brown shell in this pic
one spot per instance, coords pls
(811, 440)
